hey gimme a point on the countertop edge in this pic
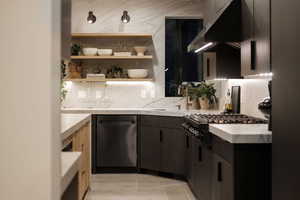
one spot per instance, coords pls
(70, 162)
(67, 133)
(260, 138)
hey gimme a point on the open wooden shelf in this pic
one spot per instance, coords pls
(111, 57)
(109, 79)
(99, 35)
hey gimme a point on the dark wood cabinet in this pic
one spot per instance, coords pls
(222, 179)
(255, 47)
(150, 148)
(241, 171)
(223, 61)
(285, 66)
(172, 151)
(66, 12)
(162, 144)
(199, 168)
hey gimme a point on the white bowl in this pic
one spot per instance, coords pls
(140, 50)
(105, 52)
(137, 73)
(89, 51)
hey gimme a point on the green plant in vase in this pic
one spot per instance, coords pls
(207, 95)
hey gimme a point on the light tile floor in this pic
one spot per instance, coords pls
(137, 187)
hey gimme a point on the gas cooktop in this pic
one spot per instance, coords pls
(225, 119)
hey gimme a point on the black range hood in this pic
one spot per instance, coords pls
(224, 28)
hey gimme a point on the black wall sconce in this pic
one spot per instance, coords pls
(125, 17)
(91, 18)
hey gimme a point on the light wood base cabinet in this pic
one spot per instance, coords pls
(81, 143)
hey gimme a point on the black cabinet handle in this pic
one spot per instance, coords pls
(187, 141)
(208, 66)
(220, 176)
(161, 136)
(200, 154)
(253, 55)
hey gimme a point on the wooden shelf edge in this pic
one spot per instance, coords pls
(111, 57)
(109, 79)
(78, 35)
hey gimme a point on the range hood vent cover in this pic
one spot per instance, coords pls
(224, 28)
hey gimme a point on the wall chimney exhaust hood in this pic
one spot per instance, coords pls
(224, 28)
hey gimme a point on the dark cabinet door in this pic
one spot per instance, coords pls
(172, 151)
(222, 179)
(247, 36)
(66, 10)
(150, 148)
(262, 26)
(255, 48)
(201, 170)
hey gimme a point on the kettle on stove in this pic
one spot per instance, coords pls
(265, 106)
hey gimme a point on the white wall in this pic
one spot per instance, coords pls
(147, 16)
(253, 91)
(29, 85)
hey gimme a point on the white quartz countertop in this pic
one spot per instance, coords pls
(71, 123)
(70, 162)
(138, 111)
(242, 133)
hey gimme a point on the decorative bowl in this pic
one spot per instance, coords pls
(105, 52)
(137, 73)
(89, 51)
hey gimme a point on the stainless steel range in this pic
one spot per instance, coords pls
(198, 124)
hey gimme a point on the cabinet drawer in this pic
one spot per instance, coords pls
(223, 148)
(164, 122)
(150, 120)
(171, 122)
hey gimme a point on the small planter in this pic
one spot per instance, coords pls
(195, 104)
(204, 103)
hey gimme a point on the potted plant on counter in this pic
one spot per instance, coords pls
(193, 97)
(207, 95)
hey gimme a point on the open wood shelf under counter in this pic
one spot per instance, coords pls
(111, 57)
(110, 79)
(118, 35)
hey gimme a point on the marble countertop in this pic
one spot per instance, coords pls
(70, 162)
(71, 123)
(242, 133)
(233, 133)
(138, 111)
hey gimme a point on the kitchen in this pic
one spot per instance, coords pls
(150, 99)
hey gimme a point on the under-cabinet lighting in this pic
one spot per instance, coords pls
(204, 47)
(220, 79)
(261, 75)
(146, 83)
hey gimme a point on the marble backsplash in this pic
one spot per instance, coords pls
(147, 16)
(140, 95)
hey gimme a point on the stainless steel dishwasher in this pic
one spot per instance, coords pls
(116, 142)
